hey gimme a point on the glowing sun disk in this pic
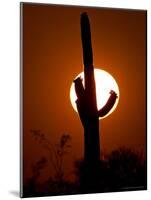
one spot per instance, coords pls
(104, 84)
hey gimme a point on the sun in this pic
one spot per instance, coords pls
(104, 84)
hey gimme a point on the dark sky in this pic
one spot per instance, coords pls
(52, 57)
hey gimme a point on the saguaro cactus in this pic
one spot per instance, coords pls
(86, 98)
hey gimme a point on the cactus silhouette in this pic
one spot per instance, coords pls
(86, 98)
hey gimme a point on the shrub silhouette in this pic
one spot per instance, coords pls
(123, 169)
(55, 184)
(56, 152)
(127, 169)
(31, 187)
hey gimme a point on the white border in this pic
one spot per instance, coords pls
(9, 97)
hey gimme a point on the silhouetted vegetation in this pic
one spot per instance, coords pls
(56, 183)
(56, 152)
(122, 169)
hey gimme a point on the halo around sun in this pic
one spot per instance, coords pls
(104, 84)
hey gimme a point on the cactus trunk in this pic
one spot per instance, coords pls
(91, 143)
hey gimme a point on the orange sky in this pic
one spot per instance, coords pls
(52, 57)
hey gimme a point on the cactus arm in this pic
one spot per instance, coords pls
(109, 104)
(79, 89)
(80, 102)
